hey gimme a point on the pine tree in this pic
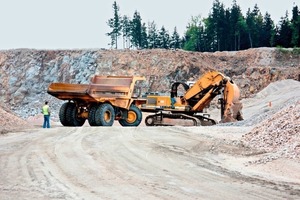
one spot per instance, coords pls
(115, 24)
(242, 34)
(126, 27)
(220, 24)
(152, 35)
(226, 39)
(144, 37)
(217, 27)
(254, 22)
(136, 30)
(211, 35)
(283, 36)
(295, 24)
(267, 31)
(175, 40)
(237, 27)
(163, 38)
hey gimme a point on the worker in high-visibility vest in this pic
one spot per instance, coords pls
(46, 113)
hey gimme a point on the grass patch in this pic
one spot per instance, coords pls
(283, 50)
(294, 51)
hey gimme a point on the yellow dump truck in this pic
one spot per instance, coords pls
(103, 100)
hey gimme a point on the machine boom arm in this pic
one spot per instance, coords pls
(208, 87)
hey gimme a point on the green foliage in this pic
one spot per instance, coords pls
(224, 29)
(295, 24)
(115, 24)
(284, 32)
(175, 41)
(163, 38)
(126, 28)
(152, 36)
(267, 32)
(282, 50)
(138, 32)
(193, 35)
(296, 51)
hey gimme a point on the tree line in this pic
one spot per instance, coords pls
(225, 29)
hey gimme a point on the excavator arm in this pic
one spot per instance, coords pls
(208, 87)
(232, 107)
(204, 84)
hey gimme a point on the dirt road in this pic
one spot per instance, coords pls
(138, 163)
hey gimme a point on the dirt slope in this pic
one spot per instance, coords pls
(10, 122)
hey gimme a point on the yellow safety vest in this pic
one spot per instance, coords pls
(45, 110)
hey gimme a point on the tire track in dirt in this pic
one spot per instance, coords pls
(129, 163)
(25, 173)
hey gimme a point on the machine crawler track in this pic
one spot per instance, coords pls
(158, 119)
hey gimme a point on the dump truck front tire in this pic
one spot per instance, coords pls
(134, 117)
(71, 115)
(104, 115)
(62, 114)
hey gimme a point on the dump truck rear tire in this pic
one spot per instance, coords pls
(72, 117)
(62, 114)
(91, 117)
(104, 115)
(134, 117)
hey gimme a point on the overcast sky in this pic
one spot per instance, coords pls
(76, 24)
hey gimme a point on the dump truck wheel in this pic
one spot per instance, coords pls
(62, 114)
(134, 117)
(104, 115)
(72, 118)
(91, 118)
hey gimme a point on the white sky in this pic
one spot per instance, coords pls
(76, 24)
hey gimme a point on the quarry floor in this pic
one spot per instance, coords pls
(174, 162)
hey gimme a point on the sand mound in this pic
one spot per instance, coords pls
(10, 122)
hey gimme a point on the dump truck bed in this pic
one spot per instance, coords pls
(66, 91)
(100, 88)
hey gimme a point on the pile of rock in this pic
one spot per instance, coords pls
(279, 134)
(10, 122)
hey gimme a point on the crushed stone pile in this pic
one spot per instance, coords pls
(274, 115)
(279, 134)
(10, 122)
(265, 104)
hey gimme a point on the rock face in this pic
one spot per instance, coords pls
(25, 74)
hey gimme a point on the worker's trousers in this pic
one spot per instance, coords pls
(46, 121)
